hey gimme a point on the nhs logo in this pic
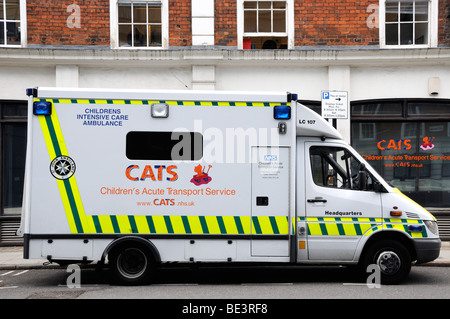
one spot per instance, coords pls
(270, 158)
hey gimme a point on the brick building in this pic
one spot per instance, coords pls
(392, 57)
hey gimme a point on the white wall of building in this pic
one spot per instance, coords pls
(15, 79)
(364, 74)
(398, 81)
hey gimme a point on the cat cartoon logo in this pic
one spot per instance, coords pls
(427, 143)
(201, 177)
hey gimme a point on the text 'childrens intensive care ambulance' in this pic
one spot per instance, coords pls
(140, 178)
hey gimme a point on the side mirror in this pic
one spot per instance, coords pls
(362, 177)
(378, 187)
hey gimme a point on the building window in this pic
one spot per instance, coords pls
(410, 148)
(140, 24)
(13, 141)
(10, 23)
(410, 23)
(264, 24)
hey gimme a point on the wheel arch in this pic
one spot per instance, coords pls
(129, 240)
(392, 234)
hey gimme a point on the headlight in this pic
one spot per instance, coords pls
(432, 226)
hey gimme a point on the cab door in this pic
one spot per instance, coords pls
(338, 212)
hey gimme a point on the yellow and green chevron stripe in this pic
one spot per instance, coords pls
(339, 226)
(202, 225)
(68, 189)
(148, 102)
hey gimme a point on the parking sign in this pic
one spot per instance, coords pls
(335, 104)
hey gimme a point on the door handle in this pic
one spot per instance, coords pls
(317, 200)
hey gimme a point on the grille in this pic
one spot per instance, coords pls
(8, 233)
(412, 215)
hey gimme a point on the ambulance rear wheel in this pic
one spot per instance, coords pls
(131, 264)
(392, 259)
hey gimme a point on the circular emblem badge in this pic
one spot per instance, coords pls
(62, 167)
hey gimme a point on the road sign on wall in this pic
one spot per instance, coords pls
(335, 104)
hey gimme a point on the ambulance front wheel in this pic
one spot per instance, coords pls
(393, 260)
(131, 264)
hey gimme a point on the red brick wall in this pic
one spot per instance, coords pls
(47, 22)
(317, 22)
(180, 33)
(444, 23)
(225, 23)
(322, 22)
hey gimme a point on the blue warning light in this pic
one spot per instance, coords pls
(282, 112)
(42, 108)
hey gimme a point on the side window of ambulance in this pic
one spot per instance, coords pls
(334, 167)
(164, 146)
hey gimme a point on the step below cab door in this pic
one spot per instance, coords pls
(339, 208)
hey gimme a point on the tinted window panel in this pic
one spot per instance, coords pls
(380, 108)
(428, 108)
(164, 146)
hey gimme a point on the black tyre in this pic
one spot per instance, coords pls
(131, 264)
(392, 258)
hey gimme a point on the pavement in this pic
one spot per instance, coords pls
(11, 257)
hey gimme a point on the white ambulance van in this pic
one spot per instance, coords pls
(139, 178)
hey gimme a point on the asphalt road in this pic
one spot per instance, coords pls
(224, 283)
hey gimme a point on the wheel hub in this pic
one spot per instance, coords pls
(389, 262)
(132, 263)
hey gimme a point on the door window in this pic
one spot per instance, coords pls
(336, 168)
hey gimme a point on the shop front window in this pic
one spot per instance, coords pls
(13, 139)
(411, 152)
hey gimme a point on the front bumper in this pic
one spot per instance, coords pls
(427, 249)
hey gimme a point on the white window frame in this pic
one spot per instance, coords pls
(289, 24)
(23, 25)
(367, 127)
(114, 25)
(433, 17)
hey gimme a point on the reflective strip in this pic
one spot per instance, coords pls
(402, 225)
(329, 226)
(326, 226)
(148, 102)
(216, 225)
